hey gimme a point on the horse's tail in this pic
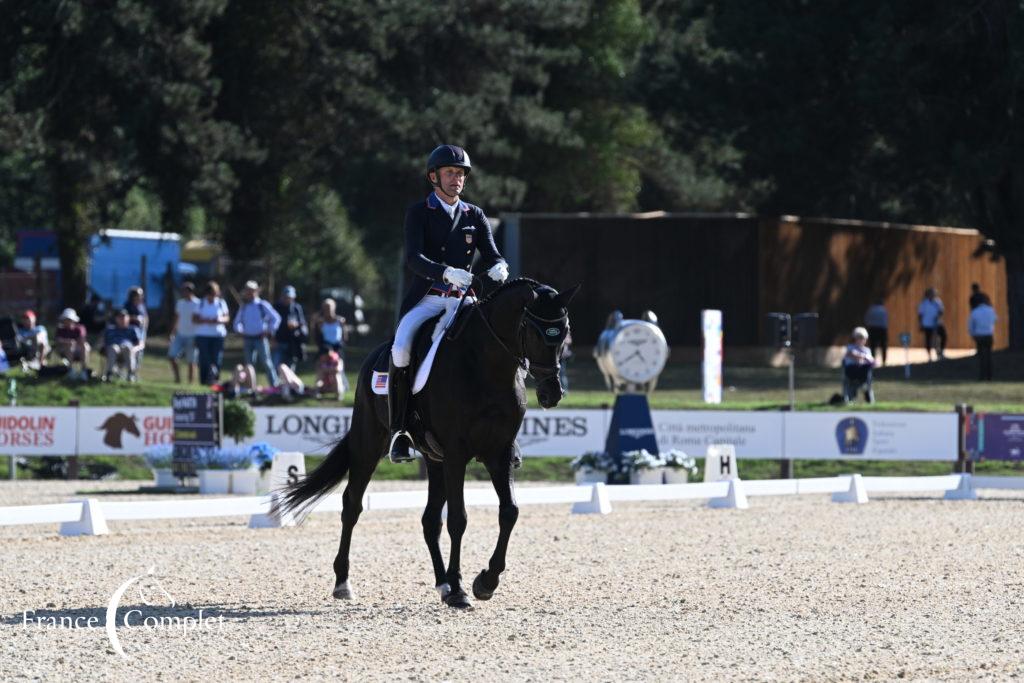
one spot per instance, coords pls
(301, 497)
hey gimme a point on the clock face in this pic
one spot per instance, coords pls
(639, 352)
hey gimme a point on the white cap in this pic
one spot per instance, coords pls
(289, 291)
(860, 332)
(251, 284)
(69, 314)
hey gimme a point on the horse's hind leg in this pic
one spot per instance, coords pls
(486, 581)
(432, 524)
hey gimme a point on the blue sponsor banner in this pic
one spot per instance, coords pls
(995, 436)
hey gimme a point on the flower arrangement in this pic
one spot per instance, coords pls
(262, 455)
(591, 460)
(679, 460)
(224, 459)
(159, 457)
(641, 460)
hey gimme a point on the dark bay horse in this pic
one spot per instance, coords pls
(471, 407)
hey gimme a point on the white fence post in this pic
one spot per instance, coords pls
(964, 490)
(735, 498)
(91, 523)
(855, 494)
(598, 503)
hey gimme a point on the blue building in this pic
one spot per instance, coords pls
(124, 258)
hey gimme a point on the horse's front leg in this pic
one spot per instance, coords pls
(432, 525)
(508, 512)
(455, 479)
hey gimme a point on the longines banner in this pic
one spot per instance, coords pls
(871, 436)
(559, 432)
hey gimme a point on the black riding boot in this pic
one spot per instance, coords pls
(398, 403)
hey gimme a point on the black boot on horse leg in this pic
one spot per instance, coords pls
(398, 405)
(486, 582)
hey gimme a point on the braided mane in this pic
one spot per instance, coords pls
(509, 284)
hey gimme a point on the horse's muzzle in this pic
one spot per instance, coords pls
(549, 393)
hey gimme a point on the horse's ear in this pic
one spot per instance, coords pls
(565, 297)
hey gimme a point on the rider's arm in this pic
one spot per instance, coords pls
(485, 242)
(415, 226)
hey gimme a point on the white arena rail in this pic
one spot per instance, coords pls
(89, 516)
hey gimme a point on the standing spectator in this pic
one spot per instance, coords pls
(929, 314)
(330, 329)
(123, 342)
(977, 296)
(982, 325)
(293, 331)
(183, 333)
(563, 374)
(71, 342)
(257, 321)
(876, 320)
(211, 317)
(858, 363)
(33, 339)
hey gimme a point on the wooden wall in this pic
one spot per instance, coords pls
(839, 268)
(672, 265)
(678, 264)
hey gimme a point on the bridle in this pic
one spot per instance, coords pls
(546, 372)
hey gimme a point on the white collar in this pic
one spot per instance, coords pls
(448, 208)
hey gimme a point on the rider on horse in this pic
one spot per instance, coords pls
(441, 235)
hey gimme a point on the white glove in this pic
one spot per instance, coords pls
(498, 272)
(458, 277)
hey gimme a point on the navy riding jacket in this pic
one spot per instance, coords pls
(433, 243)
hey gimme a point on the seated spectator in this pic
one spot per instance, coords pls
(330, 378)
(243, 381)
(122, 344)
(138, 316)
(94, 315)
(291, 384)
(71, 342)
(33, 340)
(857, 367)
(330, 329)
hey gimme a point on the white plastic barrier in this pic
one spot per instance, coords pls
(90, 516)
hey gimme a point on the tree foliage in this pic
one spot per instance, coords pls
(298, 129)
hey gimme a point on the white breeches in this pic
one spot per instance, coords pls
(427, 308)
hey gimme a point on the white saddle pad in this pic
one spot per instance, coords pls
(379, 381)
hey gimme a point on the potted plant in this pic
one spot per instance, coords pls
(590, 467)
(644, 467)
(215, 467)
(239, 420)
(678, 467)
(158, 458)
(262, 455)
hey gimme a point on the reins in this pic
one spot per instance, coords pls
(520, 359)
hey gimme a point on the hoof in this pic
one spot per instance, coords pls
(458, 600)
(444, 590)
(343, 591)
(480, 592)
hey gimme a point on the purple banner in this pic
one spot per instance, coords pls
(995, 436)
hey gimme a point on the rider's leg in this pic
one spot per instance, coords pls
(398, 374)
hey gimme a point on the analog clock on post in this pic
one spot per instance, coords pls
(632, 355)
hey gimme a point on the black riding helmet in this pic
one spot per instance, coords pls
(448, 155)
